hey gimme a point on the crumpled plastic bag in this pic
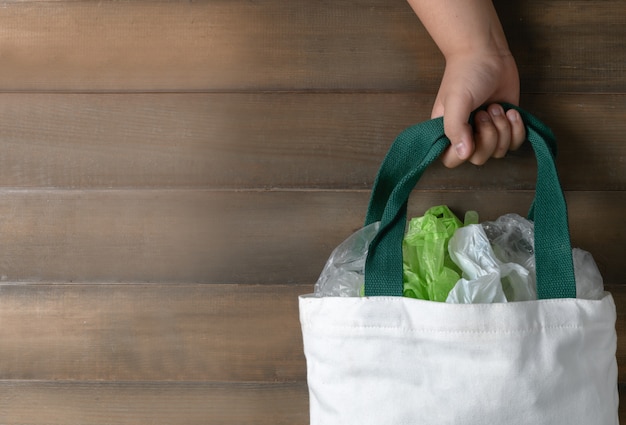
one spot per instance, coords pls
(505, 248)
(589, 282)
(486, 279)
(511, 238)
(428, 271)
(344, 272)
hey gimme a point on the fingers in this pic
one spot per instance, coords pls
(496, 132)
(486, 136)
(518, 131)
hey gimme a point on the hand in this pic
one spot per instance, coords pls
(471, 80)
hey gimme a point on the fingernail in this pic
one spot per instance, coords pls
(495, 111)
(512, 115)
(461, 150)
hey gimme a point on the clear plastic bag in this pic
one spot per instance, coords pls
(589, 282)
(513, 240)
(343, 275)
(486, 279)
(499, 264)
(496, 260)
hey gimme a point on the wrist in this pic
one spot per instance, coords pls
(459, 27)
(489, 43)
(493, 59)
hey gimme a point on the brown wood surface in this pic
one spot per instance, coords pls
(270, 140)
(62, 403)
(236, 236)
(146, 332)
(276, 45)
(174, 174)
(159, 403)
(166, 332)
(171, 347)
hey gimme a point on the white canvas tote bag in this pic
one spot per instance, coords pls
(385, 359)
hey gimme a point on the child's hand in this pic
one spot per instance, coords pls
(479, 71)
(469, 82)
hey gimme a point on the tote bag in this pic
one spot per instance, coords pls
(385, 359)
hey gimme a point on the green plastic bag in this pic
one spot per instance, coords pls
(428, 271)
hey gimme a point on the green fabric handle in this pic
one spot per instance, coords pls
(411, 153)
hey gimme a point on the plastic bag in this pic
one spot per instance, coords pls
(512, 239)
(343, 275)
(589, 282)
(485, 278)
(429, 273)
(425, 246)
(497, 261)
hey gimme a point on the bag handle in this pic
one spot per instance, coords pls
(411, 153)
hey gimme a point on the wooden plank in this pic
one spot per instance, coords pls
(577, 125)
(545, 39)
(60, 403)
(273, 45)
(161, 332)
(151, 332)
(216, 45)
(276, 140)
(71, 403)
(236, 236)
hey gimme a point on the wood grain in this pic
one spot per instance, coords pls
(174, 174)
(276, 140)
(158, 403)
(151, 45)
(236, 236)
(165, 332)
(151, 332)
(60, 403)
(545, 39)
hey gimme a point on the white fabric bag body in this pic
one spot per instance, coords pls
(383, 359)
(401, 361)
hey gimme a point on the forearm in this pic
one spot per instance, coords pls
(462, 26)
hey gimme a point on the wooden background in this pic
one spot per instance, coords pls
(174, 174)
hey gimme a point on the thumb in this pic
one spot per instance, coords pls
(459, 131)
